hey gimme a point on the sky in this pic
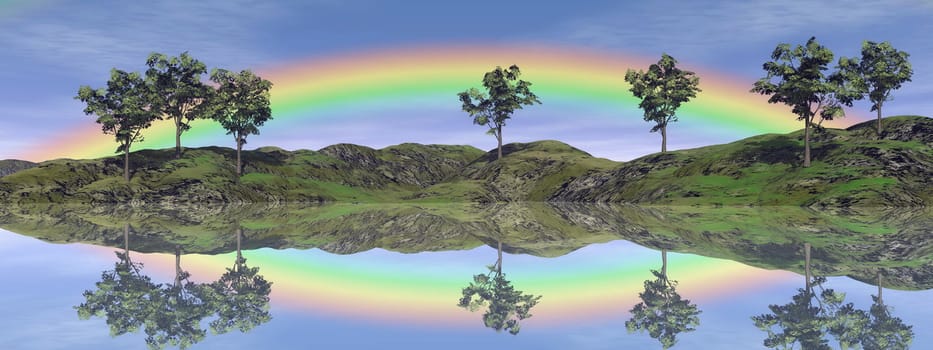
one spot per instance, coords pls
(51, 48)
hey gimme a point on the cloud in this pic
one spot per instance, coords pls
(703, 28)
(122, 34)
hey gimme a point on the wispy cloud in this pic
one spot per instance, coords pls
(706, 27)
(81, 36)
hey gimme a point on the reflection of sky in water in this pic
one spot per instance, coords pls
(44, 281)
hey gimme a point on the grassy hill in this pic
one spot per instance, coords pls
(851, 167)
(9, 166)
(856, 243)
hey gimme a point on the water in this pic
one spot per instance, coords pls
(359, 277)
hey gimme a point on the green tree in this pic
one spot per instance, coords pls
(123, 296)
(795, 77)
(505, 93)
(240, 296)
(884, 330)
(881, 70)
(810, 316)
(179, 90)
(178, 309)
(241, 105)
(663, 312)
(123, 109)
(505, 306)
(662, 89)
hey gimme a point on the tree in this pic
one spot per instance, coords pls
(241, 296)
(178, 310)
(662, 89)
(802, 85)
(881, 70)
(123, 295)
(179, 90)
(123, 109)
(810, 316)
(663, 312)
(241, 105)
(885, 331)
(506, 306)
(505, 94)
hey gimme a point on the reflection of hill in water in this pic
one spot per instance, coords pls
(855, 242)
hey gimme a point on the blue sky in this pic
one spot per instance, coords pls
(51, 47)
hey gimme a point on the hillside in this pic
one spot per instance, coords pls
(336, 173)
(855, 243)
(9, 166)
(851, 167)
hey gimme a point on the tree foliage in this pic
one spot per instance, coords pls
(504, 94)
(663, 312)
(795, 77)
(123, 109)
(883, 330)
(179, 90)
(505, 306)
(123, 297)
(171, 314)
(880, 70)
(662, 89)
(178, 309)
(811, 317)
(240, 297)
(240, 104)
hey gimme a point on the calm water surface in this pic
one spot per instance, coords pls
(590, 278)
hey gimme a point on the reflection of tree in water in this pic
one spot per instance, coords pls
(172, 313)
(662, 312)
(811, 316)
(179, 309)
(123, 294)
(505, 305)
(240, 296)
(884, 331)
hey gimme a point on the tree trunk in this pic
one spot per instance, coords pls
(239, 235)
(239, 164)
(880, 301)
(664, 139)
(664, 263)
(126, 163)
(126, 239)
(499, 260)
(177, 265)
(806, 143)
(806, 254)
(499, 138)
(177, 138)
(879, 119)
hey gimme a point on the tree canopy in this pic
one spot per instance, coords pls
(880, 70)
(178, 90)
(240, 104)
(662, 311)
(795, 77)
(123, 109)
(505, 306)
(662, 89)
(504, 94)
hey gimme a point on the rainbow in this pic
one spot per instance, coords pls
(381, 84)
(592, 284)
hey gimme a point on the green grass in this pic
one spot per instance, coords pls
(848, 169)
(845, 243)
